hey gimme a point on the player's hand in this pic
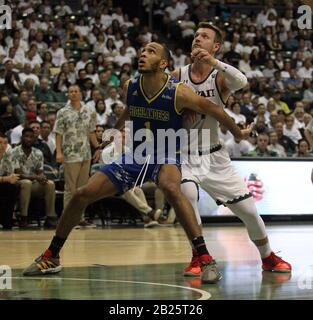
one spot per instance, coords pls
(245, 133)
(190, 116)
(203, 56)
(256, 188)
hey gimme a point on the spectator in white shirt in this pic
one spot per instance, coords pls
(122, 57)
(238, 148)
(254, 72)
(305, 72)
(57, 52)
(179, 58)
(27, 74)
(118, 15)
(62, 9)
(84, 58)
(113, 98)
(244, 63)
(102, 117)
(290, 130)
(234, 113)
(91, 72)
(275, 146)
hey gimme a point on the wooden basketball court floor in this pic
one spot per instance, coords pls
(137, 264)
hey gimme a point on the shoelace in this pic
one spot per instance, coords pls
(144, 168)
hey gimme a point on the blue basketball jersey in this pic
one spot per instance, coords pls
(155, 116)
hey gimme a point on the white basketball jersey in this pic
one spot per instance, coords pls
(208, 89)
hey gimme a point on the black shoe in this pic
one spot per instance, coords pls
(50, 223)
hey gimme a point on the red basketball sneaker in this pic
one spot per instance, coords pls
(194, 268)
(275, 264)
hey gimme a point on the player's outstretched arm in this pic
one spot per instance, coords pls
(187, 99)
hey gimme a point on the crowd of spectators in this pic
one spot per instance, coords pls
(95, 44)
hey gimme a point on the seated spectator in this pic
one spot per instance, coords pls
(291, 44)
(16, 134)
(43, 93)
(269, 71)
(262, 147)
(179, 58)
(277, 83)
(45, 136)
(273, 119)
(8, 185)
(279, 104)
(255, 72)
(234, 112)
(275, 146)
(28, 163)
(42, 112)
(42, 146)
(299, 117)
(308, 92)
(117, 111)
(57, 52)
(61, 83)
(102, 117)
(91, 72)
(303, 149)
(283, 140)
(113, 98)
(244, 63)
(238, 148)
(8, 119)
(305, 72)
(291, 130)
(293, 82)
(27, 74)
(260, 124)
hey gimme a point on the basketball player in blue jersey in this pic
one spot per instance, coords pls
(215, 80)
(154, 100)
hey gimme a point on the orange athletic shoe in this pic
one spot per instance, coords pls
(275, 264)
(194, 268)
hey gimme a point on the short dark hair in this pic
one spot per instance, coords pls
(44, 122)
(2, 135)
(26, 130)
(218, 33)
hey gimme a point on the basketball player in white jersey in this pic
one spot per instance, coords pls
(216, 80)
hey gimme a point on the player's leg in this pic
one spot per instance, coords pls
(170, 184)
(247, 212)
(190, 189)
(99, 186)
